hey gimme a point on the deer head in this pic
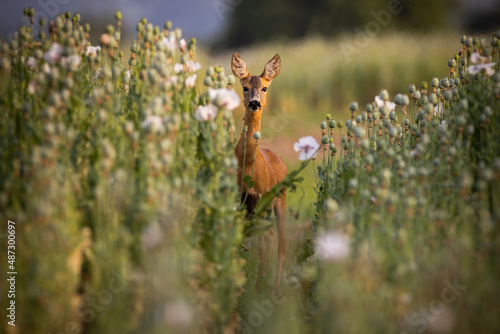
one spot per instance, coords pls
(255, 87)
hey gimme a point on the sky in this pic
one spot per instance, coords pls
(203, 19)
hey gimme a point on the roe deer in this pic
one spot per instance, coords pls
(268, 168)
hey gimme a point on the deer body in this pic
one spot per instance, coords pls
(268, 168)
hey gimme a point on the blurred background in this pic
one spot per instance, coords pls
(333, 51)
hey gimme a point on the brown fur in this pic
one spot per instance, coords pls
(269, 167)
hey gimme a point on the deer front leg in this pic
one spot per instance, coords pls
(280, 212)
(263, 249)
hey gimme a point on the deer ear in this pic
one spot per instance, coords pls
(239, 67)
(272, 68)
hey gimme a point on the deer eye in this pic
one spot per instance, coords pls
(264, 89)
(245, 89)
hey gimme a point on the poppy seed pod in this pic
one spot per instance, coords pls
(353, 106)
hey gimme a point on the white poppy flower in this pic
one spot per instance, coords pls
(71, 63)
(53, 55)
(190, 81)
(169, 42)
(380, 103)
(488, 67)
(182, 45)
(225, 98)
(178, 67)
(332, 246)
(31, 62)
(206, 113)
(307, 146)
(152, 121)
(479, 63)
(92, 50)
(193, 66)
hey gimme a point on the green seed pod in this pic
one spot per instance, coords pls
(328, 116)
(369, 107)
(69, 82)
(470, 130)
(405, 100)
(423, 84)
(393, 132)
(323, 125)
(353, 106)
(178, 33)
(210, 71)
(231, 79)
(435, 82)
(463, 105)
(167, 25)
(496, 77)
(208, 81)
(256, 135)
(445, 82)
(359, 119)
(487, 111)
(411, 88)
(324, 140)
(359, 132)
(332, 146)
(132, 62)
(417, 95)
(468, 41)
(433, 98)
(134, 47)
(49, 129)
(331, 123)
(384, 95)
(384, 110)
(456, 81)
(452, 62)
(59, 22)
(448, 94)
(118, 15)
(397, 99)
(392, 115)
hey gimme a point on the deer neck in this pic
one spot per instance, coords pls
(246, 144)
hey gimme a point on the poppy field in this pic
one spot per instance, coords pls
(120, 206)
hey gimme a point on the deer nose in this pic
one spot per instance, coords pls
(254, 105)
